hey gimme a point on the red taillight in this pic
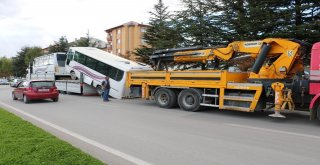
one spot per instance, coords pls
(53, 89)
(29, 89)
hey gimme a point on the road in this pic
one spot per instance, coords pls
(135, 131)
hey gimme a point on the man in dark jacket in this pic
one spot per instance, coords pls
(106, 89)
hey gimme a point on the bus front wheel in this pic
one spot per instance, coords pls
(99, 90)
(73, 75)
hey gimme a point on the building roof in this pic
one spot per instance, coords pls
(131, 23)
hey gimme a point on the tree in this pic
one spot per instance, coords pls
(197, 23)
(251, 19)
(5, 67)
(18, 63)
(59, 46)
(161, 34)
(84, 42)
(305, 20)
(32, 53)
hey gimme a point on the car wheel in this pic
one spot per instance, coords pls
(25, 99)
(55, 99)
(14, 97)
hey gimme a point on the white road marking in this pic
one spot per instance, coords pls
(82, 138)
(273, 130)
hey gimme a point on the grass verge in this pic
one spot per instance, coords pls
(23, 143)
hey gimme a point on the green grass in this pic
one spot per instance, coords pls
(23, 143)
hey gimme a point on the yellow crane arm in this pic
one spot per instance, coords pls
(273, 57)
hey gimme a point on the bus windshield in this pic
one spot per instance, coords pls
(61, 58)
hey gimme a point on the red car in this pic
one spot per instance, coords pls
(36, 90)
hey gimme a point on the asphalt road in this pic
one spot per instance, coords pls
(135, 131)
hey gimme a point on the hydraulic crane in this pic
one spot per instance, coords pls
(244, 76)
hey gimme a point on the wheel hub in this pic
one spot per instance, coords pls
(190, 100)
(163, 98)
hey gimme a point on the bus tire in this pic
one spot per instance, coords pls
(165, 98)
(190, 99)
(99, 89)
(73, 75)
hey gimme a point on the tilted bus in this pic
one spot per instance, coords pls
(92, 65)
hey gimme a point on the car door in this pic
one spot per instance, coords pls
(19, 90)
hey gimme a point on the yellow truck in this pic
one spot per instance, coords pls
(244, 76)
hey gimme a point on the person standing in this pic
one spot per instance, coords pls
(106, 89)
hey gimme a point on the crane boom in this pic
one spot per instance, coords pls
(271, 58)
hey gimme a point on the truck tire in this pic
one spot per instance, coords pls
(190, 99)
(317, 112)
(165, 98)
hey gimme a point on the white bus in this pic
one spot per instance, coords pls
(94, 64)
(49, 66)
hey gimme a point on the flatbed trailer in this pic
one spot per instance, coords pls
(193, 89)
(75, 86)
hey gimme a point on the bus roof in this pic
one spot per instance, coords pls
(50, 54)
(111, 59)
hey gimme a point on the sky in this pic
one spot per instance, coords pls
(41, 22)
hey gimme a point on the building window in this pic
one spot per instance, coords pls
(143, 30)
(118, 41)
(119, 31)
(118, 51)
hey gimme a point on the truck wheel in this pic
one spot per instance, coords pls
(73, 75)
(165, 98)
(317, 112)
(190, 99)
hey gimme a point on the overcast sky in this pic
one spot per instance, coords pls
(41, 22)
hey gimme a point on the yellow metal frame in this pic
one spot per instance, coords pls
(210, 79)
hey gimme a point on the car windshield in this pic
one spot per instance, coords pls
(42, 84)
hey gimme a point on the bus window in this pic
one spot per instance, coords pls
(61, 58)
(91, 63)
(69, 57)
(45, 60)
(80, 58)
(112, 72)
(101, 68)
(51, 61)
(119, 75)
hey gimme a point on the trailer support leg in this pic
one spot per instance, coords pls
(278, 99)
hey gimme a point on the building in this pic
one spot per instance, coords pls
(123, 39)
